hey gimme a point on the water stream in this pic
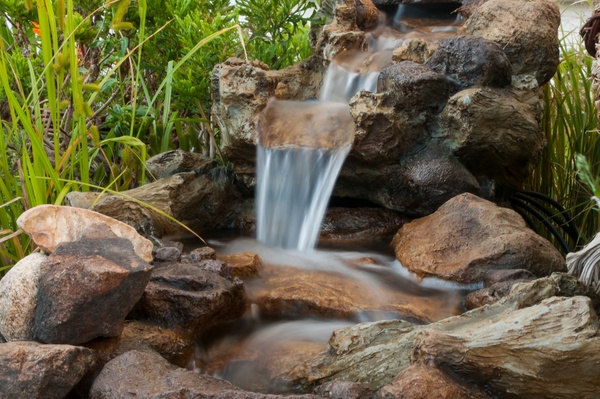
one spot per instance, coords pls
(300, 150)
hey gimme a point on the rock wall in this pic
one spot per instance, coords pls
(460, 114)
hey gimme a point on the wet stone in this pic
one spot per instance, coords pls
(469, 61)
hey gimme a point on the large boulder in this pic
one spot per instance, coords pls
(494, 133)
(526, 31)
(469, 61)
(86, 288)
(32, 370)
(468, 236)
(537, 342)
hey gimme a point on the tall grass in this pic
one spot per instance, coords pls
(570, 125)
(49, 142)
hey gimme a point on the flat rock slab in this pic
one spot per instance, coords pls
(146, 375)
(51, 225)
(32, 370)
(468, 236)
(289, 291)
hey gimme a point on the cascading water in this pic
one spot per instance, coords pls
(301, 149)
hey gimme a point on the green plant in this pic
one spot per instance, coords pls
(91, 88)
(570, 124)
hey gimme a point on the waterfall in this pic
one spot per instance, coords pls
(301, 149)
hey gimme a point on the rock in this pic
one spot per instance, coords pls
(202, 253)
(51, 225)
(211, 198)
(298, 292)
(18, 298)
(361, 226)
(368, 353)
(412, 86)
(494, 134)
(137, 374)
(344, 390)
(167, 254)
(173, 162)
(31, 370)
(527, 31)
(175, 345)
(420, 381)
(146, 375)
(242, 265)
(442, 244)
(86, 289)
(527, 335)
(418, 185)
(415, 50)
(498, 284)
(469, 61)
(187, 297)
(367, 14)
(547, 350)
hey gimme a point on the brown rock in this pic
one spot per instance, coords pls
(291, 291)
(242, 265)
(187, 297)
(420, 381)
(527, 31)
(367, 14)
(51, 225)
(170, 163)
(442, 244)
(146, 375)
(32, 370)
(175, 345)
(86, 289)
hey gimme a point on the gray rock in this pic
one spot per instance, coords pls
(417, 185)
(185, 296)
(18, 298)
(469, 61)
(442, 244)
(167, 254)
(86, 289)
(172, 162)
(31, 370)
(413, 87)
(527, 31)
(494, 134)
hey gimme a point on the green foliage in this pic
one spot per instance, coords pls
(570, 124)
(277, 29)
(90, 89)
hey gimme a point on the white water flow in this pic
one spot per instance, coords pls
(301, 149)
(294, 186)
